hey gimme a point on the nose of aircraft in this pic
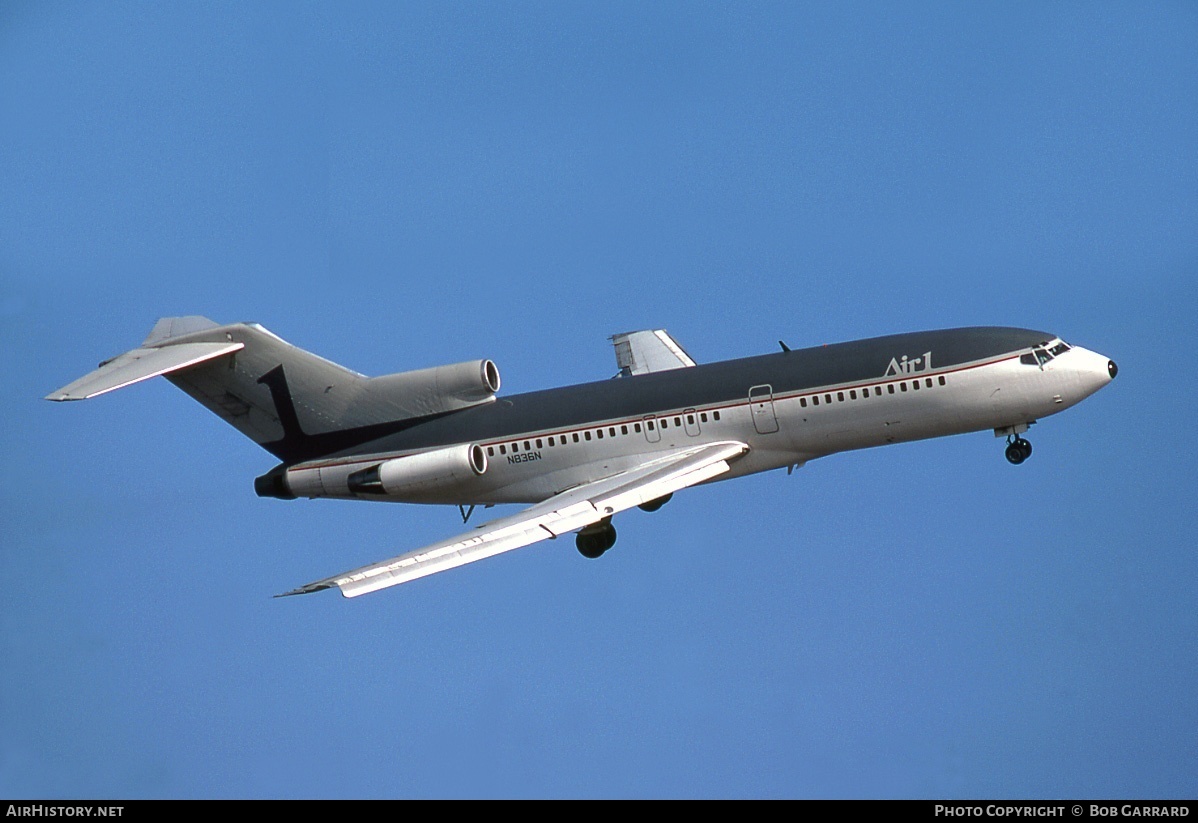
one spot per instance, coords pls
(1094, 370)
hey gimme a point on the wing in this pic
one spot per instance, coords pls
(641, 352)
(564, 512)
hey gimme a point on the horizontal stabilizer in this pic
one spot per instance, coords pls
(142, 364)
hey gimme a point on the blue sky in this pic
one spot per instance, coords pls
(395, 186)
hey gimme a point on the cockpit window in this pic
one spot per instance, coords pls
(1060, 348)
(1038, 357)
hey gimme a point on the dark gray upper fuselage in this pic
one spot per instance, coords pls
(695, 387)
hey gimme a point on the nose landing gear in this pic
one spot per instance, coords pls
(1018, 450)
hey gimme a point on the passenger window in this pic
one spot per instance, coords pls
(702, 417)
(612, 431)
(502, 449)
(890, 388)
(515, 448)
(598, 432)
(551, 441)
(690, 418)
(716, 415)
(587, 435)
(623, 430)
(828, 399)
(852, 394)
(877, 391)
(650, 425)
(490, 451)
(928, 382)
(677, 422)
(941, 380)
(636, 427)
(665, 424)
(902, 386)
(527, 446)
(576, 437)
(803, 402)
(915, 385)
(538, 442)
(815, 399)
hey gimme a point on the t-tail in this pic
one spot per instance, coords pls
(292, 403)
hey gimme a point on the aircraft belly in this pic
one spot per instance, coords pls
(765, 459)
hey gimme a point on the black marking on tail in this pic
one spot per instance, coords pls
(280, 393)
(297, 446)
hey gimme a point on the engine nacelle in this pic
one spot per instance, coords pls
(432, 476)
(417, 475)
(439, 389)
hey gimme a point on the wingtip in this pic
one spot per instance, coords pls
(308, 589)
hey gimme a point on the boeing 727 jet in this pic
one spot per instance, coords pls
(581, 454)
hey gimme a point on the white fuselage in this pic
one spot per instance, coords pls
(912, 401)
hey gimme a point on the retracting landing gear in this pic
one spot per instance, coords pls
(594, 540)
(654, 505)
(1018, 450)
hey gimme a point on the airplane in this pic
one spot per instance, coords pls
(583, 453)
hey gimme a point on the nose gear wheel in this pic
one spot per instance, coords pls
(1018, 450)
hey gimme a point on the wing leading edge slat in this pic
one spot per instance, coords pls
(566, 512)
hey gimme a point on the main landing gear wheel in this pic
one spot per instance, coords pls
(654, 505)
(1018, 450)
(594, 540)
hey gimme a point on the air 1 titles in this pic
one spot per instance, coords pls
(905, 365)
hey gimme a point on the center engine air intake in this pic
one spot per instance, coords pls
(437, 390)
